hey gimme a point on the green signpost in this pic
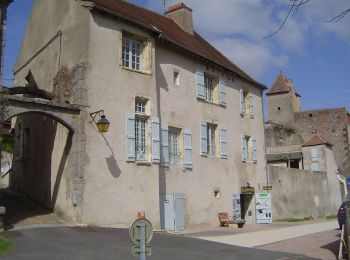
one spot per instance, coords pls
(141, 233)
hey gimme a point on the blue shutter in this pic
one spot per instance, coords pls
(187, 149)
(155, 140)
(242, 101)
(255, 155)
(179, 211)
(223, 143)
(130, 137)
(164, 159)
(222, 92)
(204, 139)
(244, 148)
(314, 154)
(200, 84)
(251, 105)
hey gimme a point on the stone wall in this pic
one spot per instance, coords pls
(299, 193)
(330, 124)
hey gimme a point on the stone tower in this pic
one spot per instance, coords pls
(282, 102)
(3, 16)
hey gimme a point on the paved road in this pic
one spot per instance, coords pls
(107, 243)
(324, 245)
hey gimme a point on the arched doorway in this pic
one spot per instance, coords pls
(44, 155)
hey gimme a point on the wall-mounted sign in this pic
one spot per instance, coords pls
(247, 189)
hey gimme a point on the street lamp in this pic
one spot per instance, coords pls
(102, 124)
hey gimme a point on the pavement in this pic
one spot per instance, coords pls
(267, 236)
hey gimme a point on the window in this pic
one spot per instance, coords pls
(209, 89)
(247, 103)
(140, 139)
(140, 129)
(131, 53)
(176, 78)
(249, 149)
(23, 142)
(136, 52)
(174, 146)
(140, 105)
(211, 139)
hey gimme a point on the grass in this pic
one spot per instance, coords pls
(294, 219)
(5, 246)
(306, 219)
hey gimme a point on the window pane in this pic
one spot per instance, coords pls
(208, 85)
(211, 139)
(140, 142)
(174, 154)
(140, 106)
(131, 53)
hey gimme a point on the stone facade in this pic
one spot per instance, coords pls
(283, 104)
(81, 64)
(332, 124)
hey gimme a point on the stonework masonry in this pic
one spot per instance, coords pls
(331, 124)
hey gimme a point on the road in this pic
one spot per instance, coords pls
(108, 243)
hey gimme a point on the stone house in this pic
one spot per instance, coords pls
(284, 109)
(186, 124)
(302, 161)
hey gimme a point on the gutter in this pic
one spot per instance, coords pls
(153, 29)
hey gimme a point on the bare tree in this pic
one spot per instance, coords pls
(296, 5)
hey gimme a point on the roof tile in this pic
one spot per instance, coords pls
(316, 139)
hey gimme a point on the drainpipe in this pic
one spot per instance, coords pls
(344, 183)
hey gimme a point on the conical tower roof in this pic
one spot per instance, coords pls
(281, 85)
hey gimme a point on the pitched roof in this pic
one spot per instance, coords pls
(316, 139)
(168, 29)
(281, 85)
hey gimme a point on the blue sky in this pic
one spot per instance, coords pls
(313, 53)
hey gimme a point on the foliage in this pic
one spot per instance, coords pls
(289, 131)
(5, 246)
(7, 144)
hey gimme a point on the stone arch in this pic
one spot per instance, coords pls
(73, 117)
(66, 114)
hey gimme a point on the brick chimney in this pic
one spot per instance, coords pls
(182, 15)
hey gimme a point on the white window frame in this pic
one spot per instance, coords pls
(132, 53)
(209, 88)
(174, 146)
(211, 139)
(176, 78)
(140, 105)
(141, 145)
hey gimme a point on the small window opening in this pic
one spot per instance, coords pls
(279, 108)
(176, 78)
(310, 115)
(217, 194)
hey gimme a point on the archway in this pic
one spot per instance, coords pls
(45, 157)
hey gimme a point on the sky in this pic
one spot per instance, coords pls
(315, 54)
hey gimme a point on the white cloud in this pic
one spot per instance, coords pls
(252, 57)
(237, 28)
